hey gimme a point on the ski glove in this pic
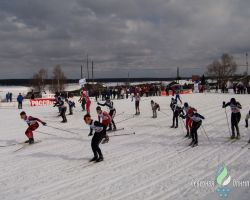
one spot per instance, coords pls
(182, 116)
(44, 123)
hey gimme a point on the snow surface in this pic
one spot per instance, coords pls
(151, 164)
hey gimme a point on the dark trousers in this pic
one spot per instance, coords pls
(137, 107)
(71, 110)
(63, 113)
(194, 129)
(112, 114)
(235, 119)
(20, 105)
(175, 118)
(177, 97)
(96, 140)
(83, 105)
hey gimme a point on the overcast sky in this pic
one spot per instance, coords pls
(144, 37)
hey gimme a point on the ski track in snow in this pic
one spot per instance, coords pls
(155, 163)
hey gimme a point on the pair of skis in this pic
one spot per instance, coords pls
(120, 129)
(186, 149)
(23, 145)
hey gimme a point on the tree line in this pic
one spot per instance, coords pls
(58, 80)
(223, 69)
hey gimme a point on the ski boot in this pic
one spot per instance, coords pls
(191, 144)
(176, 127)
(249, 141)
(172, 126)
(195, 144)
(100, 159)
(31, 141)
(93, 159)
(232, 137)
(238, 137)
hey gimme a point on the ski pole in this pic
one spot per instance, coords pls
(164, 113)
(205, 133)
(125, 120)
(227, 123)
(120, 114)
(182, 125)
(122, 134)
(62, 129)
(46, 133)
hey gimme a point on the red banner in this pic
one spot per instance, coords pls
(170, 93)
(42, 102)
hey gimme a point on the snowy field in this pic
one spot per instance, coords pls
(152, 164)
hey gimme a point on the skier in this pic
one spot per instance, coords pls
(105, 119)
(235, 116)
(155, 106)
(177, 95)
(137, 103)
(88, 103)
(172, 103)
(246, 120)
(196, 123)
(33, 125)
(99, 134)
(56, 101)
(112, 112)
(61, 105)
(83, 103)
(177, 111)
(71, 104)
(188, 110)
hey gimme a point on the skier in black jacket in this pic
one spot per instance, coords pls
(197, 122)
(61, 105)
(177, 111)
(99, 134)
(235, 116)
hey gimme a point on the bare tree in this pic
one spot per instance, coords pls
(58, 80)
(38, 81)
(222, 69)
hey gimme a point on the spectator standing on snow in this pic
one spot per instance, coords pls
(10, 97)
(20, 101)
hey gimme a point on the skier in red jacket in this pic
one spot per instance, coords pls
(33, 125)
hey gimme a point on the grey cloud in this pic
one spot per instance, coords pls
(133, 36)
